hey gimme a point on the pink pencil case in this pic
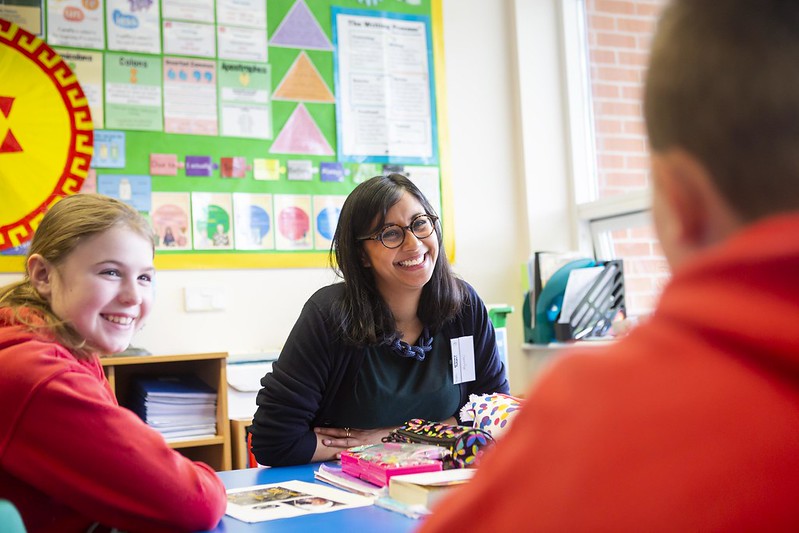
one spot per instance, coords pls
(376, 463)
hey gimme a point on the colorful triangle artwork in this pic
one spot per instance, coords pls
(301, 135)
(303, 83)
(300, 29)
(5, 105)
(10, 144)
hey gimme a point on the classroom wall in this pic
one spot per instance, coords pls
(492, 150)
(490, 232)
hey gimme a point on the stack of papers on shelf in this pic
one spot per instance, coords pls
(176, 406)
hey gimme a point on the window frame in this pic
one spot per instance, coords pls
(592, 215)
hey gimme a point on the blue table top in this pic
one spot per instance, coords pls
(370, 518)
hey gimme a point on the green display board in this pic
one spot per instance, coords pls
(292, 182)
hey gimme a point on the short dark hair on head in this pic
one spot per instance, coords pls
(723, 84)
(362, 317)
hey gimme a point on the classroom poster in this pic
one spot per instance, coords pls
(88, 67)
(254, 221)
(164, 164)
(190, 96)
(364, 171)
(326, 210)
(247, 13)
(200, 165)
(428, 181)
(90, 183)
(76, 23)
(300, 29)
(189, 39)
(26, 14)
(109, 149)
(194, 10)
(243, 44)
(299, 170)
(212, 221)
(332, 172)
(21, 250)
(384, 85)
(266, 169)
(244, 100)
(293, 220)
(233, 167)
(304, 83)
(171, 220)
(134, 25)
(133, 92)
(301, 135)
(241, 30)
(133, 190)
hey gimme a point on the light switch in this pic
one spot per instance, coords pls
(199, 299)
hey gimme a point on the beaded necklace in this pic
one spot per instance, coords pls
(403, 349)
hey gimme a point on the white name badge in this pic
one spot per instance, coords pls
(462, 359)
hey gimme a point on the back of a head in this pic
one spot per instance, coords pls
(723, 85)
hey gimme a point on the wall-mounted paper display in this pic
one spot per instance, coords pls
(133, 92)
(134, 25)
(267, 169)
(76, 23)
(171, 219)
(239, 127)
(212, 221)
(326, 211)
(133, 190)
(293, 216)
(109, 149)
(254, 221)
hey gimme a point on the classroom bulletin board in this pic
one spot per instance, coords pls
(239, 127)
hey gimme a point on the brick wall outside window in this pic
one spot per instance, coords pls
(619, 37)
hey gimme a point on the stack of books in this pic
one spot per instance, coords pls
(412, 495)
(425, 489)
(176, 406)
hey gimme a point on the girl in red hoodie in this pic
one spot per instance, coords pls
(70, 457)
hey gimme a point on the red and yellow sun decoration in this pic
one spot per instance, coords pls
(46, 133)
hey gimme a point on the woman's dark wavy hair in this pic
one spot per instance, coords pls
(362, 316)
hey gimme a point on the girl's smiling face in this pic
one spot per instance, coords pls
(103, 289)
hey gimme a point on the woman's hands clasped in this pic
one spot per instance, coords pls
(337, 439)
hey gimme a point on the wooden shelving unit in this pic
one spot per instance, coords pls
(209, 367)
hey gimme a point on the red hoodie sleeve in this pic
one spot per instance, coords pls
(74, 443)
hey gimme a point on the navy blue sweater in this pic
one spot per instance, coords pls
(296, 395)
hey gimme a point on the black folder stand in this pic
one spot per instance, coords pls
(594, 314)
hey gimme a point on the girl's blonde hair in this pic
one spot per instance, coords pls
(69, 222)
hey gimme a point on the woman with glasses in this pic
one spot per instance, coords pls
(400, 338)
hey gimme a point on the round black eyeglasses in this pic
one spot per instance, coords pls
(393, 235)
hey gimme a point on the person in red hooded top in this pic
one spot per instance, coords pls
(691, 422)
(72, 459)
